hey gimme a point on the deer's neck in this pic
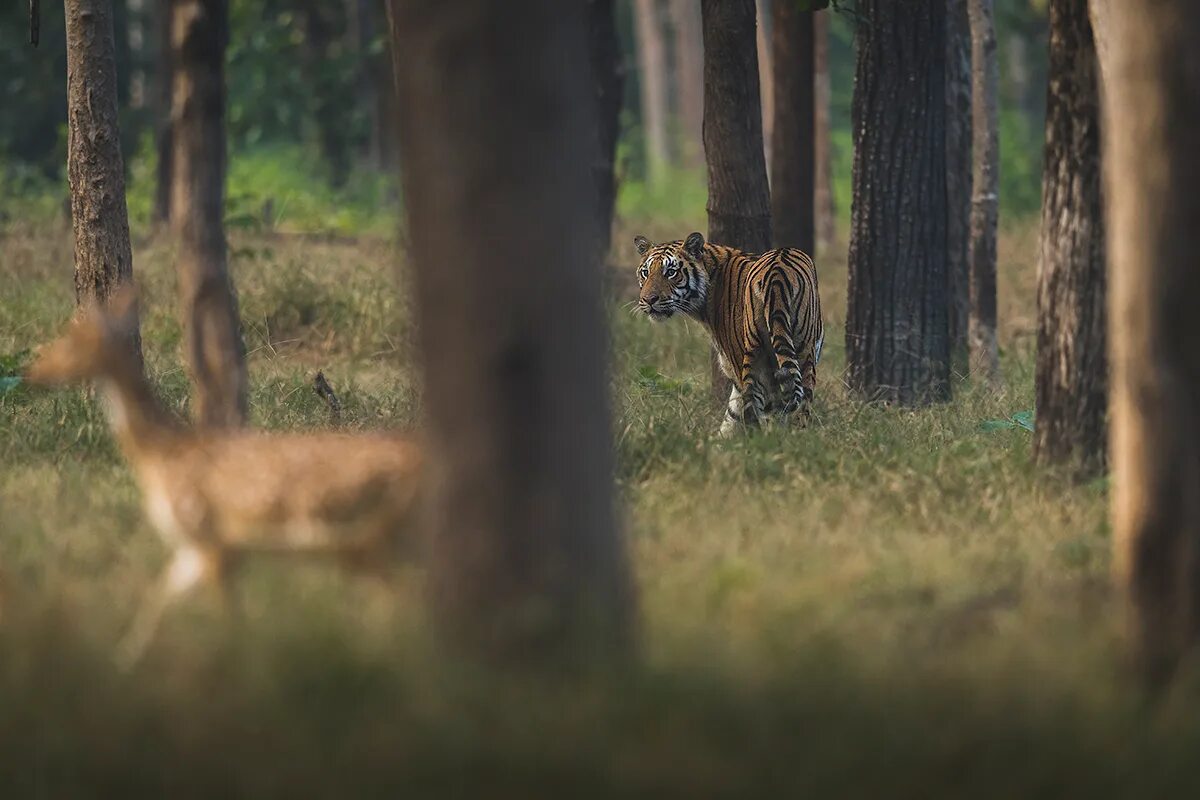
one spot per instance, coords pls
(141, 425)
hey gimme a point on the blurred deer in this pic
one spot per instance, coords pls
(216, 495)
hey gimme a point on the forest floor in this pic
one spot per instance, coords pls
(890, 603)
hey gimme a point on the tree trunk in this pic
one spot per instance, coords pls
(958, 176)
(825, 199)
(793, 165)
(766, 76)
(605, 56)
(1152, 169)
(985, 195)
(95, 169)
(739, 202)
(164, 84)
(215, 353)
(496, 151)
(897, 336)
(331, 105)
(1072, 365)
(1100, 15)
(652, 78)
(689, 73)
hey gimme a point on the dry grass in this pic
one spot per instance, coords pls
(893, 602)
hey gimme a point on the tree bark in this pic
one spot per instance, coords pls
(825, 199)
(1152, 169)
(652, 66)
(605, 57)
(1072, 365)
(164, 85)
(793, 164)
(95, 169)
(215, 352)
(985, 194)
(1098, 11)
(766, 76)
(897, 335)
(689, 74)
(739, 202)
(958, 177)
(525, 557)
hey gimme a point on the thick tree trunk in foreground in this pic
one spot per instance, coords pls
(96, 172)
(496, 150)
(213, 342)
(605, 58)
(826, 203)
(1152, 170)
(897, 338)
(958, 176)
(652, 80)
(689, 76)
(739, 202)
(1072, 364)
(985, 194)
(793, 161)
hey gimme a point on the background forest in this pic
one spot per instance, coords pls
(898, 601)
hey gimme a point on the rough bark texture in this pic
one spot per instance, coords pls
(164, 85)
(605, 57)
(689, 75)
(897, 337)
(739, 202)
(95, 168)
(985, 194)
(652, 79)
(525, 554)
(1072, 365)
(212, 335)
(1152, 170)
(826, 202)
(958, 176)
(793, 162)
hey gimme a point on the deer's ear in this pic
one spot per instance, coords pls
(694, 245)
(642, 244)
(121, 309)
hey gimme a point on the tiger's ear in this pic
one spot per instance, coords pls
(694, 244)
(642, 244)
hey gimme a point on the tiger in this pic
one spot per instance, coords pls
(763, 313)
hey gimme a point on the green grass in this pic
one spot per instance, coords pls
(891, 603)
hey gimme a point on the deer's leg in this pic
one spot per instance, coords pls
(187, 569)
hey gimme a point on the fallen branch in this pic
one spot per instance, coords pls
(325, 392)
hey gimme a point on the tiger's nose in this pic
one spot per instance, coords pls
(651, 299)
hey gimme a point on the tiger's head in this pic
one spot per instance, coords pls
(672, 277)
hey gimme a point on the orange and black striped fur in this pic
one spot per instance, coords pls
(762, 311)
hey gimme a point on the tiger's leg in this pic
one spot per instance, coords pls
(789, 367)
(754, 396)
(733, 412)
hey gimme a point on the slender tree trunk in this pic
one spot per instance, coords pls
(766, 76)
(1152, 170)
(958, 176)
(1072, 365)
(95, 169)
(496, 151)
(689, 72)
(652, 68)
(164, 82)
(739, 202)
(897, 336)
(985, 196)
(605, 56)
(213, 341)
(826, 202)
(331, 106)
(360, 31)
(793, 166)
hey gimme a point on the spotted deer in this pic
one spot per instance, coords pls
(214, 496)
